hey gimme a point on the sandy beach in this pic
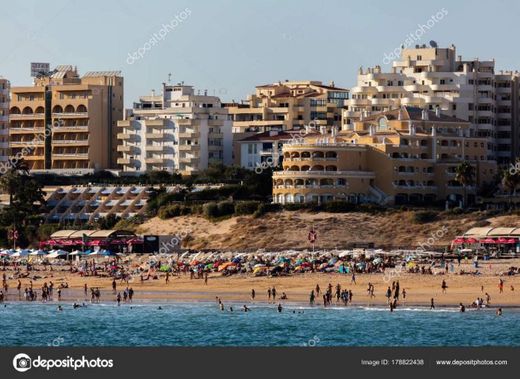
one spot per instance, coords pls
(420, 288)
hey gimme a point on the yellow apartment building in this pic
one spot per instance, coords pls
(406, 155)
(67, 123)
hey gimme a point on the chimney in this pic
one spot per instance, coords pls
(438, 111)
(424, 115)
(331, 84)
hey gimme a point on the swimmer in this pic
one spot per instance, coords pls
(279, 307)
(462, 308)
(499, 312)
(246, 309)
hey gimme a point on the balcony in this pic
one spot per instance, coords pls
(70, 115)
(70, 128)
(123, 160)
(37, 130)
(66, 142)
(28, 144)
(188, 147)
(125, 136)
(155, 135)
(124, 123)
(160, 123)
(154, 160)
(30, 116)
(154, 147)
(67, 156)
(125, 148)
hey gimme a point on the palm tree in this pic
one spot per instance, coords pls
(465, 174)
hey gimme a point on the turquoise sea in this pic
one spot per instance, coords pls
(203, 324)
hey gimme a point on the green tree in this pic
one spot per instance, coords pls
(465, 175)
(26, 199)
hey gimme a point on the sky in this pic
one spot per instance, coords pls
(230, 46)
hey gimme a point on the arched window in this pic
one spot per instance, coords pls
(382, 123)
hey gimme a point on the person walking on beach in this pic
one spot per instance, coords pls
(311, 298)
(167, 277)
(130, 294)
(317, 290)
(353, 279)
(269, 295)
(85, 289)
(444, 286)
(114, 285)
(273, 291)
(388, 295)
(432, 304)
(501, 286)
(404, 294)
(253, 294)
(206, 278)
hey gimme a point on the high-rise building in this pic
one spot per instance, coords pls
(429, 77)
(407, 155)
(66, 123)
(176, 131)
(4, 119)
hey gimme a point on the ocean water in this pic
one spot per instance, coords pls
(203, 324)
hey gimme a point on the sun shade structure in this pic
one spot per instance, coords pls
(74, 239)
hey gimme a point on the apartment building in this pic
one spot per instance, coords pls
(4, 119)
(406, 155)
(430, 77)
(67, 123)
(289, 105)
(177, 131)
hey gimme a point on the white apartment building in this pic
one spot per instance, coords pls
(4, 119)
(429, 77)
(176, 131)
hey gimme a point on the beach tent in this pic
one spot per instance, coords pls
(21, 253)
(57, 253)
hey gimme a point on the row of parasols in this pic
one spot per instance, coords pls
(488, 240)
(52, 254)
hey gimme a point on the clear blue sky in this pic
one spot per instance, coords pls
(229, 46)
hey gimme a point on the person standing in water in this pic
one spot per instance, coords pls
(279, 308)
(118, 299)
(462, 308)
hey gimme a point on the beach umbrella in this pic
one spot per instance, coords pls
(20, 253)
(38, 252)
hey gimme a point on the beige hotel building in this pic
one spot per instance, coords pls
(406, 155)
(431, 77)
(67, 123)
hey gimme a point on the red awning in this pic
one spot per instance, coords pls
(459, 241)
(488, 240)
(502, 240)
(471, 240)
(511, 240)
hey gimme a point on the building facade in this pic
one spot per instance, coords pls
(67, 123)
(406, 155)
(176, 131)
(4, 119)
(431, 77)
(289, 105)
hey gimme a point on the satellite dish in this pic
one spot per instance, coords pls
(433, 44)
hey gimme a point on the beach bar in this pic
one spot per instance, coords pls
(500, 240)
(115, 240)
